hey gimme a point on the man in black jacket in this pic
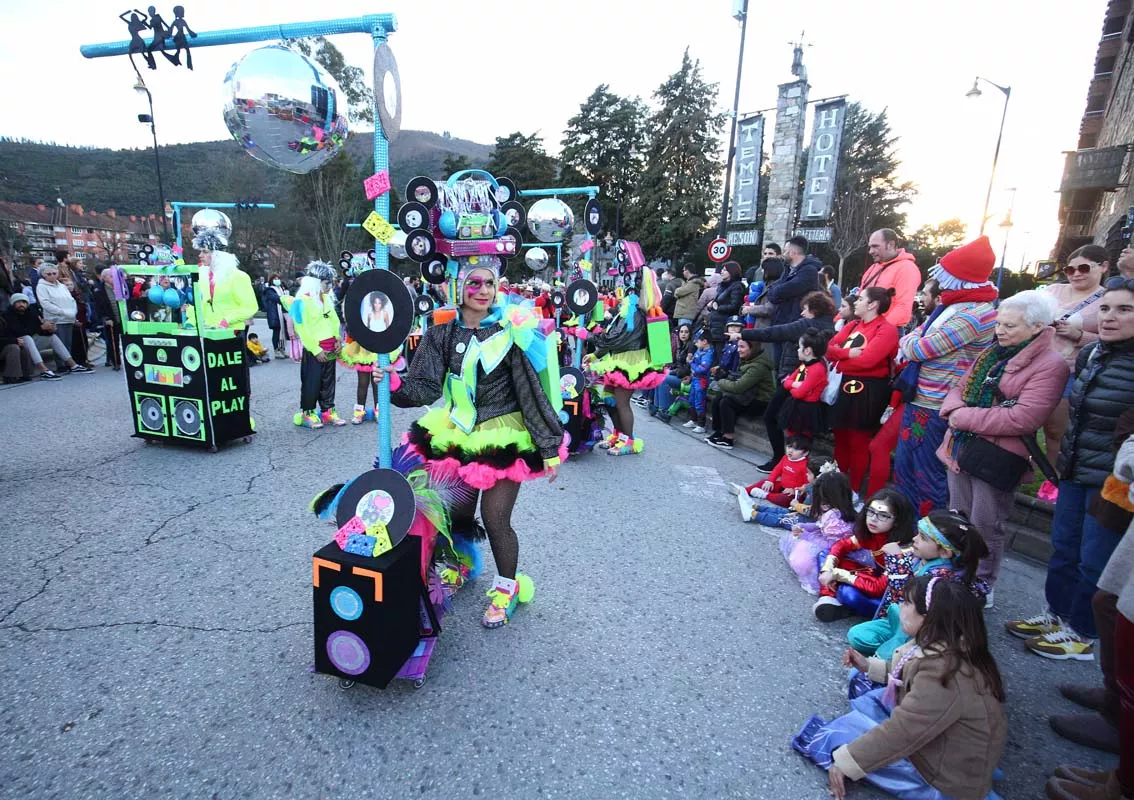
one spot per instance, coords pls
(1103, 389)
(801, 278)
(20, 323)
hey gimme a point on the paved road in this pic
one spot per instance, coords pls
(155, 629)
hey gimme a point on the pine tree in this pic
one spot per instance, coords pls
(604, 145)
(680, 187)
(454, 163)
(524, 160)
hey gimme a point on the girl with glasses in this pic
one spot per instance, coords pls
(851, 574)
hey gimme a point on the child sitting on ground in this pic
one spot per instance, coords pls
(946, 544)
(700, 365)
(258, 353)
(790, 475)
(802, 409)
(937, 728)
(846, 586)
(832, 517)
(798, 510)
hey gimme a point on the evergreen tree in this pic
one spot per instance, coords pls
(454, 163)
(680, 187)
(524, 160)
(930, 242)
(604, 145)
(868, 193)
(352, 80)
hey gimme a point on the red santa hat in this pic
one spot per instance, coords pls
(972, 262)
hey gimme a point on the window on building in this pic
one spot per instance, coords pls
(61, 242)
(76, 230)
(91, 243)
(76, 242)
(1105, 65)
(80, 256)
(1096, 103)
(1114, 26)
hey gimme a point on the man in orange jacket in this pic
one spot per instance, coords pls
(893, 267)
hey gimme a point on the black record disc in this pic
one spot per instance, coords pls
(422, 190)
(434, 270)
(515, 213)
(506, 191)
(582, 295)
(592, 217)
(421, 246)
(517, 237)
(378, 309)
(621, 269)
(423, 304)
(558, 299)
(413, 217)
(370, 256)
(380, 495)
(148, 249)
(344, 265)
(347, 254)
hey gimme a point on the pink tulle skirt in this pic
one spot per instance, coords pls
(650, 379)
(480, 475)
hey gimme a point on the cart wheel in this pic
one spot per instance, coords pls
(247, 440)
(419, 683)
(345, 684)
(149, 442)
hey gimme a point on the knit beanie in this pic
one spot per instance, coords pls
(19, 297)
(972, 262)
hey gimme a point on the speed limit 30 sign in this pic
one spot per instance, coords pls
(719, 251)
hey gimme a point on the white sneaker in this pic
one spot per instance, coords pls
(747, 507)
(699, 429)
(738, 490)
(990, 600)
(691, 424)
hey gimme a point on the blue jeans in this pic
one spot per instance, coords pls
(663, 395)
(1080, 549)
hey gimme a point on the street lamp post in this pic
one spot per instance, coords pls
(740, 12)
(141, 88)
(976, 92)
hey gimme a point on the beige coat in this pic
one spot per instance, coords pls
(953, 734)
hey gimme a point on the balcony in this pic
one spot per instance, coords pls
(1079, 222)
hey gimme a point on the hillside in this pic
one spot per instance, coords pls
(99, 178)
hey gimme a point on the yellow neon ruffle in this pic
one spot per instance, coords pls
(634, 363)
(494, 434)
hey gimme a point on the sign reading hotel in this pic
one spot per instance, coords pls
(823, 161)
(749, 151)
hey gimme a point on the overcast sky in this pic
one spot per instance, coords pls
(481, 70)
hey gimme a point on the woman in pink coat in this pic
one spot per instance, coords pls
(1022, 369)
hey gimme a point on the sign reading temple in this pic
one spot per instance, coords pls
(749, 152)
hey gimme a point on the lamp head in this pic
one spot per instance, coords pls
(975, 91)
(139, 86)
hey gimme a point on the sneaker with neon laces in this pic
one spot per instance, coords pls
(308, 419)
(503, 598)
(358, 416)
(626, 447)
(1038, 625)
(331, 416)
(609, 441)
(1062, 645)
(453, 577)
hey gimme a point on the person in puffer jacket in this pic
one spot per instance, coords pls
(1081, 545)
(313, 310)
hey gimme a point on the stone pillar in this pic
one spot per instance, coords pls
(786, 161)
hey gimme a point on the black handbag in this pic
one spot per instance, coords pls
(999, 468)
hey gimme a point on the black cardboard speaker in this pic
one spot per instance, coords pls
(367, 611)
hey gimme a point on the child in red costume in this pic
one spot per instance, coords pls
(886, 517)
(789, 478)
(802, 409)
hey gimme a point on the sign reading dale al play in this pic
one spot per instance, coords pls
(719, 250)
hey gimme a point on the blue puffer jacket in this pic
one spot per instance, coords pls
(788, 291)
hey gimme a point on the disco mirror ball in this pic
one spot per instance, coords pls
(397, 245)
(550, 220)
(536, 258)
(209, 219)
(284, 109)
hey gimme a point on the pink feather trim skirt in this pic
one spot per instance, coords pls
(629, 370)
(499, 449)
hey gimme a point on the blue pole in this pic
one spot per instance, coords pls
(587, 190)
(387, 23)
(381, 254)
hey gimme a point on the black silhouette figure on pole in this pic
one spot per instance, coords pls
(178, 29)
(136, 24)
(161, 30)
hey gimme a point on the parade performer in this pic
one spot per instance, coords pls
(224, 289)
(357, 358)
(621, 359)
(497, 427)
(313, 312)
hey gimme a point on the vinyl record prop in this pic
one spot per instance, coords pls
(423, 304)
(582, 296)
(379, 310)
(592, 217)
(368, 591)
(285, 110)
